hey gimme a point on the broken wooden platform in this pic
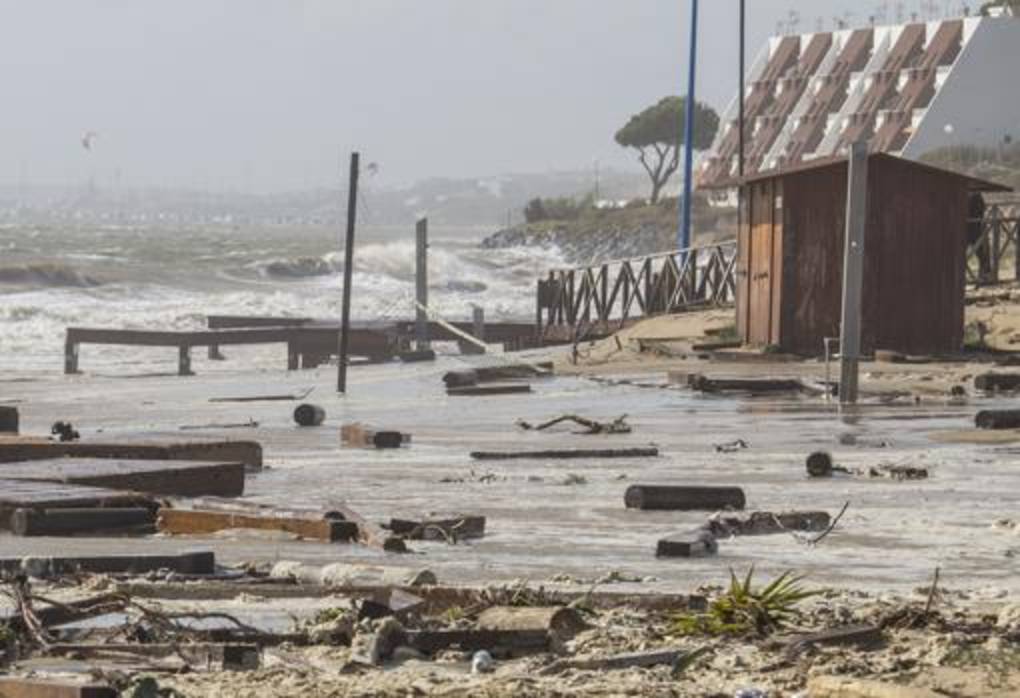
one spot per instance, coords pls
(203, 521)
(26, 448)
(172, 478)
(27, 494)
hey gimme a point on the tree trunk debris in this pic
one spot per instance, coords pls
(617, 426)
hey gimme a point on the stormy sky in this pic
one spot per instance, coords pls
(271, 95)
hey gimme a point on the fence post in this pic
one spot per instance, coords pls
(421, 277)
(853, 271)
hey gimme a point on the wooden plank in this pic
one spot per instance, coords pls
(683, 498)
(760, 386)
(69, 521)
(485, 390)
(570, 453)
(195, 522)
(997, 419)
(762, 523)
(174, 478)
(205, 655)
(630, 660)
(16, 494)
(133, 448)
(17, 687)
(494, 641)
(199, 562)
(993, 382)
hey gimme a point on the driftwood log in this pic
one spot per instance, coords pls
(567, 453)
(617, 426)
(683, 498)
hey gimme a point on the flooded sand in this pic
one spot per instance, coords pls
(891, 538)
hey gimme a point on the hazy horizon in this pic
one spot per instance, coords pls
(270, 96)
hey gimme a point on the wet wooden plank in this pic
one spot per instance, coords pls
(25, 448)
(205, 655)
(681, 498)
(192, 522)
(483, 390)
(568, 453)
(17, 687)
(197, 562)
(71, 521)
(173, 478)
(26, 494)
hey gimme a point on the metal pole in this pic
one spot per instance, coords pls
(685, 225)
(421, 276)
(853, 271)
(345, 318)
(740, 102)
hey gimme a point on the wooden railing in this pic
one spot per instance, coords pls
(993, 258)
(599, 299)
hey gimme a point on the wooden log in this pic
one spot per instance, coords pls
(699, 543)
(819, 464)
(360, 436)
(683, 498)
(307, 415)
(172, 478)
(484, 390)
(762, 523)
(197, 522)
(63, 522)
(998, 419)
(631, 660)
(449, 529)
(568, 453)
(208, 450)
(861, 635)
(8, 419)
(488, 374)
(459, 379)
(199, 562)
(562, 623)
(18, 687)
(994, 382)
(754, 386)
(207, 656)
(418, 355)
(496, 642)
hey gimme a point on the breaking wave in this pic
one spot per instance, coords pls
(46, 275)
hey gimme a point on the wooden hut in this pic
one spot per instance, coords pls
(790, 256)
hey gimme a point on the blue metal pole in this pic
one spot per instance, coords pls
(685, 222)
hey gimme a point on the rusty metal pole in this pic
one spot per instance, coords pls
(421, 278)
(853, 271)
(345, 318)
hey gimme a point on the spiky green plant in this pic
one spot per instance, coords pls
(743, 610)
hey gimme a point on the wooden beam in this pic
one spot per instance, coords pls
(16, 687)
(650, 452)
(487, 390)
(197, 522)
(64, 522)
(206, 655)
(199, 562)
(683, 498)
(24, 448)
(853, 271)
(172, 478)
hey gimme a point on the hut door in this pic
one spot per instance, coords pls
(762, 269)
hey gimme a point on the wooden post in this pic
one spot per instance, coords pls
(478, 322)
(345, 318)
(70, 357)
(421, 277)
(184, 360)
(853, 271)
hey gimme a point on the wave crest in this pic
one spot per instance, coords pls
(46, 274)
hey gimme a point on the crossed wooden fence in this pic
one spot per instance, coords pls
(601, 298)
(993, 258)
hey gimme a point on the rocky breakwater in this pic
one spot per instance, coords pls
(582, 246)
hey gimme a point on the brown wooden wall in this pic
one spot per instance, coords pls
(915, 249)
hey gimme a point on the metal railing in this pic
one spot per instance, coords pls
(607, 295)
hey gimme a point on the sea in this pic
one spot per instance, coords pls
(162, 276)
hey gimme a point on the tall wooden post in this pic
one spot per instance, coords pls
(345, 318)
(853, 271)
(421, 279)
(692, 71)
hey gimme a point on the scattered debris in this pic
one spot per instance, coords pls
(860, 635)
(250, 424)
(418, 355)
(753, 386)
(697, 543)
(762, 523)
(567, 453)
(309, 415)
(683, 498)
(199, 562)
(617, 426)
(64, 431)
(731, 446)
(574, 479)
(273, 397)
(360, 436)
(483, 390)
(898, 472)
(450, 529)
(67, 522)
(997, 419)
(632, 660)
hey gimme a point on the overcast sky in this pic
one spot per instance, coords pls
(269, 95)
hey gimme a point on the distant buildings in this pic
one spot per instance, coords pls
(908, 89)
